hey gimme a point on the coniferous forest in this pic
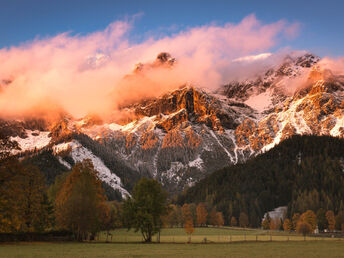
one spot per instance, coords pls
(303, 173)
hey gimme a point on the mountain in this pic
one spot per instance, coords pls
(186, 134)
(302, 173)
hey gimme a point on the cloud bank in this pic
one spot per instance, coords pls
(84, 74)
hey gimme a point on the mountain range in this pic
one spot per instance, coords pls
(186, 134)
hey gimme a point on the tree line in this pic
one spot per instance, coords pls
(76, 202)
(307, 222)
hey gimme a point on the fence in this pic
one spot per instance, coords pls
(218, 238)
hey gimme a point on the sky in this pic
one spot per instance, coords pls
(80, 55)
(321, 22)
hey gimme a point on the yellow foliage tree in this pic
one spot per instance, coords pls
(310, 218)
(295, 220)
(266, 224)
(287, 225)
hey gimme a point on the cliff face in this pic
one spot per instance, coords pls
(183, 135)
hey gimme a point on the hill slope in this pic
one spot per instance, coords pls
(303, 172)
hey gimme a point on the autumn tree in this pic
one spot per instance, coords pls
(339, 224)
(213, 217)
(275, 224)
(330, 220)
(233, 222)
(111, 217)
(266, 222)
(201, 214)
(80, 202)
(55, 188)
(189, 228)
(187, 215)
(295, 220)
(170, 218)
(243, 220)
(193, 210)
(287, 225)
(144, 209)
(219, 219)
(23, 202)
(303, 228)
(309, 218)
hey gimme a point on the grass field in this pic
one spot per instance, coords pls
(213, 235)
(242, 249)
(222, 242)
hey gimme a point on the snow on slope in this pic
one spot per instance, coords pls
(339, 124)
(80, 153)
(259, 102)
(34, 140)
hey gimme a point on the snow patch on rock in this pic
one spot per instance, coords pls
(34, 140)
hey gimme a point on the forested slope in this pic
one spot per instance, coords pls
(302, 172)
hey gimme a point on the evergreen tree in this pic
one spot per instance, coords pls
(321, 219)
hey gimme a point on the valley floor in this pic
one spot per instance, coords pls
(240, 249)
(221, 242)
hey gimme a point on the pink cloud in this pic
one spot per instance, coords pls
(59, 72)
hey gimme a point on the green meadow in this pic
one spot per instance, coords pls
(221, 242)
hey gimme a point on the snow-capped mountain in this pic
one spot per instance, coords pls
(185, 134)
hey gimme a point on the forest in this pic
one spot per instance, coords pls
(302, 173)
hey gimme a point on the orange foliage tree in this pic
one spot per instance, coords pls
(331, 220)
(233, 221)
(219, 219)
(189, 228)
(310, 218)
(201, 214)
(80, 203)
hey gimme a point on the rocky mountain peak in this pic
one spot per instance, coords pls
(163, 59)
